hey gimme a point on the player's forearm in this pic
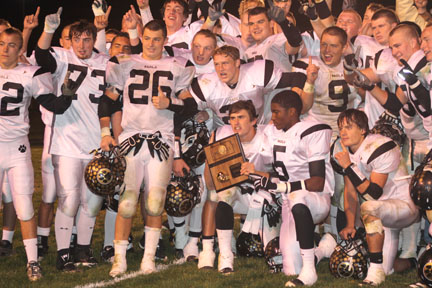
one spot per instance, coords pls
(26, 36)
(105, 122)
(57, 105)
(100, 43)
(315, 184)
(350, 203)
(44, 41)
(307, 100)
(116, 124)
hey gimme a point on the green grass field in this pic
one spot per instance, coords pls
(248, 272)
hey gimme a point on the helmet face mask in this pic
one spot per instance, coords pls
(182, 195)
(105, 172)
(421, 187)
(249, 245)
(194, 136)
(349, 259)
(273, 256)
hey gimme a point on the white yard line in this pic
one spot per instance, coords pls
(105, 283)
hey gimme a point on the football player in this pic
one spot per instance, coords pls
(371, 167)
(147, 94)
(300, 152)
(19, 82)
(70, 147)
(242, 117)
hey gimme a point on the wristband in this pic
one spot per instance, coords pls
(176, 105)
(177, 150)
(309, 88)
(355, 175)
(133, 33)
(105, 131)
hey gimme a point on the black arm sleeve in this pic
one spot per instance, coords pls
(292, 79)
(190, 110)
(137, 49)
(422, 94)
(203, 6)
(393, 104)
(107, 106)
(57, 105)
(317, 168)
(45, 59)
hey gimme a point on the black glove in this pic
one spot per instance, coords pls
(363, 81)
(216, 11)
(263, 182)
(69, 86)
(407, 74)
(273, 213)
(352, 61)
(275, 13)
(156, 145)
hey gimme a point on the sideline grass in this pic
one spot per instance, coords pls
(248, 272)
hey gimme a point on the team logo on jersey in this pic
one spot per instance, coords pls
(22, 148)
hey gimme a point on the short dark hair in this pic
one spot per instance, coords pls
(14, 31)
(156, 25)
(355, 116)
(243, 105)
(207, 33)
(374, 7)
(82, 26)
(5, 23)
(288, 99)
(386, 13)
(112, 31)
(258, 10)
(181, 2)
(409, 29)
(336, 31)
(228, 50)
(120, 34)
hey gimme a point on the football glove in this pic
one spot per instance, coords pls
(52, 21)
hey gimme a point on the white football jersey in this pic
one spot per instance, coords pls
(332, 93)
(380, 154)
(368, 49)
(139, 80)
(272, 48)
(255, 80)
(182, 38)
(293, 150)
(76, 132)
(412, 123)
(17, 86)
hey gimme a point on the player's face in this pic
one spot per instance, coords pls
(244, 29)
(109, 37)
(351, 135)
(331, 49)
(402, 47)
(286, 5)
(82, 45)
(65, 40)
(367, 16)
(227, 68)
(381, 29)
(173, 15)
(121, 45)
(10, 49)
(260, 27)
(350, 23)
(202, 49)
(242, 124)
(426, 44)
(420, 3)
(152, 42)
(282, 118)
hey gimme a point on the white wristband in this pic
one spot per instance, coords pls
(308, 88)
(105, 131)
(133, 33)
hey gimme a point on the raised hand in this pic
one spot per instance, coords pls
(99, 7)
(101, 21)
(32, 21)
(312, 71)
(352, 61)
(275, 13)
(362, 81)
(130, 18)
(216, 11)
(52, 21)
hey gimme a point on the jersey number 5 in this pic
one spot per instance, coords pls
(279, 166)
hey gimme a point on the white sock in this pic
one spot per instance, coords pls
(63, 229)
(224, 238)
(151, 241)
(209, 243)
(308, 273)
(109, 226)
(42, 231)
(375, 266)
(120, 247)
(30, 246)
(193, 240)
(181, 236)
(85, 226)
(8, 235)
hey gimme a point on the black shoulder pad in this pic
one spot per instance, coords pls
(189, 63)
(381, 150)
(40, 71)
(197, 89)
(377, 56)
(313, 129)
(269, 67)
(300, 64)
(114, 59)
(420, 64)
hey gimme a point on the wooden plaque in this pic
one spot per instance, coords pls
(224, 158)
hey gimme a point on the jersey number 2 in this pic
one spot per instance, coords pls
(8, 99)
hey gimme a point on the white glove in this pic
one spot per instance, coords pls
(99, 7)
(52, 21)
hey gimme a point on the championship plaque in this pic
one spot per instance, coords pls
(224, 158)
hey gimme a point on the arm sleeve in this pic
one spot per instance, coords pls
(100, 43)
(146, 15)
(45, 59)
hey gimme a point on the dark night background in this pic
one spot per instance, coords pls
(15, 10)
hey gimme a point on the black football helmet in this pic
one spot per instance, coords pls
(273, 255)
(335, 148)
(349, 259)
(194, 136)
(249, 245)
(424, 266)
(421, 187)
(105, 171)
(390, 126)
(182, 195)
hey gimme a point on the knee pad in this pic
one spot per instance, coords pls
(69, 205)
(212, 196)
(128, 203)
(224, 216)
(369, 208)
(227, 195)
(93, 205)
(374, 226)
(24, 207)
(297, 197)
(155, 201)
